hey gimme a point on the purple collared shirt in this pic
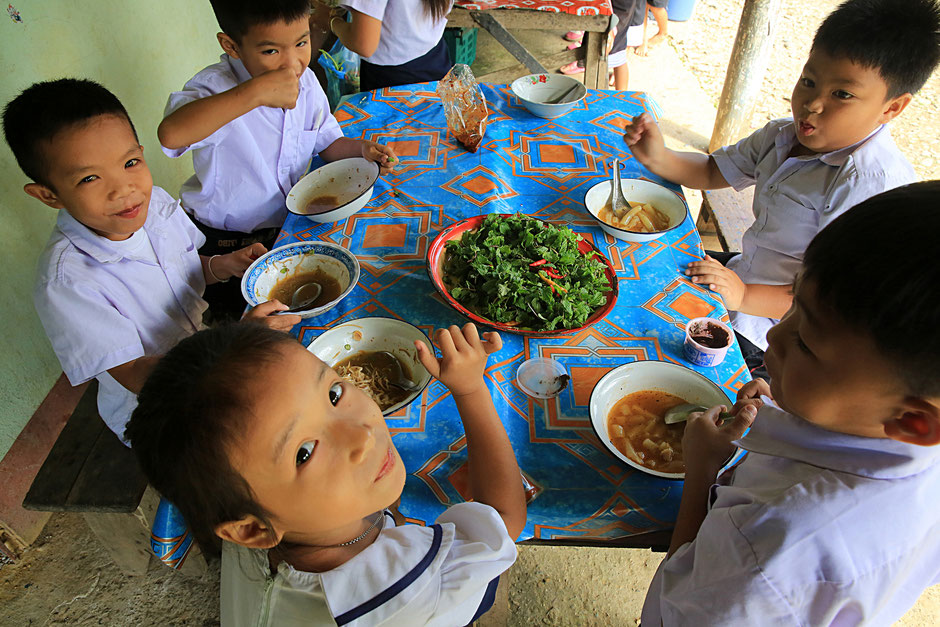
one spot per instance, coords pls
(812, 528)
(795, 197)
(105, 303)
(245, 170)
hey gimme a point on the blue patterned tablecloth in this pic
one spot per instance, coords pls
(542, 168)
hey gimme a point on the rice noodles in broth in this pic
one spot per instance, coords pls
(370, 372)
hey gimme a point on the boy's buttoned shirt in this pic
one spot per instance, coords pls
(795, 197)
(245, 170)
(103, 303)
(812, 528)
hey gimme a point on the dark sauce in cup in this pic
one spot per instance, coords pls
(709, 335)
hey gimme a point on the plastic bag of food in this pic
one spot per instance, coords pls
(464, 106)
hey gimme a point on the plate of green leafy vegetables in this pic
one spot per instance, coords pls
(522, 275)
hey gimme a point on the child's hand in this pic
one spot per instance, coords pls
(707, 444)
(645, 140)
(262, 313)
(752, 391)
(720, 279)
(464, 357)
(276, 88)
(235, 264)
(381, 154)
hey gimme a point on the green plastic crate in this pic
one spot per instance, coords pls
(462, 44)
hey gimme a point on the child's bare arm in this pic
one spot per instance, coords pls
(223, 267)
(133, 374)
(494, 474)
(771, 301)
(346, 147)
(361, 35)
(692, 169)
(196, 120)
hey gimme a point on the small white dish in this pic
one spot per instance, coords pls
(537, 92)
(348, 181)
(376, 334)
(649, 375)
(542, 378)
(271, 267)
(643, 191)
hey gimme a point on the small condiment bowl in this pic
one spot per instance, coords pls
(542, 378)
(637, 190)
(349, 181)
(376, 334)
(537, 93)
(261, 276)
(649, 375)
(701, 354)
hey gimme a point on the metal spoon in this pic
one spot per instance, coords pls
(562, 99)
(618, 204)
(680, 413)
(397, 376)
(304, 296)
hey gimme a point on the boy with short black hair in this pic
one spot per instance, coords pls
(832, 517)
(868, 59)
(253, 121)
(119, 282)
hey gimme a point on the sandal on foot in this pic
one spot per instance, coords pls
(571, 68)
(574, 35)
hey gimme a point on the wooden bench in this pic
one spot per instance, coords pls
(731, 212)
(90, 471)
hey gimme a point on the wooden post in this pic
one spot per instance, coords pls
(745, 71)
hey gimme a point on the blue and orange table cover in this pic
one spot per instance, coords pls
(540, 167)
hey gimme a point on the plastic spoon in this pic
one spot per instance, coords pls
(304, 296)
(680, 413)
(618, 204)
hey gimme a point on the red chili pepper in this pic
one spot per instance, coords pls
(554, 274)
(540, 262)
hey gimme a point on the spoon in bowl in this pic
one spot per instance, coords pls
(618, 204)
(304, 296)
(397, 376)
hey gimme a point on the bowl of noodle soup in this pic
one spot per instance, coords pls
(357, 351)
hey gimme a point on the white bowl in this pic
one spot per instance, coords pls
(638, 190)
(649, 375)
(536, 91)
(268, 269)
(376, 334)
(350, 181)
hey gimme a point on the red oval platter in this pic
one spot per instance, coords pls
(455, 231)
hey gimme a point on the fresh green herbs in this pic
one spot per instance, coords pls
(526, 273)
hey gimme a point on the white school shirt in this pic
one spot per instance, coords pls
(245, 170)
(105, 303)
(812, 528)
(408, 31)
(410, 575)
(795, 197)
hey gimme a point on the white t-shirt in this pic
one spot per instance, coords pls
(105, 303)
(408, 31)
(410, 575)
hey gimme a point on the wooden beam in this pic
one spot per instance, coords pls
(509, 74)
(525, 19)
(507, 41)
(745, 73)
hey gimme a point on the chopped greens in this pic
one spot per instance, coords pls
(526, 273)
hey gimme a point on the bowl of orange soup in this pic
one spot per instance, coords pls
(627, 409)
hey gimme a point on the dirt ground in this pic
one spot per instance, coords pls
(67, 578)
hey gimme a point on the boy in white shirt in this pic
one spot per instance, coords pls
(832, 517)
(253, 121)
(120, 281)
(867, 60)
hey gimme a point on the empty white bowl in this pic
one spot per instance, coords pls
(268, 269)
(638, 190)
(376, 334)
(537, 92)
(649, 375)
(348, 181)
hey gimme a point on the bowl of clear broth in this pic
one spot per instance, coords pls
(370, 353)
(654, 210)
(334, 191)
(279, 273)
(628, 407)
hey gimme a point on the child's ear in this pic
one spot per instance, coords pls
(894, 106)
(228, 45)
(43, 194)
(250, 532)
(919, 423)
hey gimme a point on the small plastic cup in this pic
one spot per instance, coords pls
(542, 378)
(707, 341)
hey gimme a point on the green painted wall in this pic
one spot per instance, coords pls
(139, 50)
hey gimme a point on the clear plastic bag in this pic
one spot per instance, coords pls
(464, 106)
(342, 72)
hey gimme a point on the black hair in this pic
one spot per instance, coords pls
(190, 412)
(236, 17)
(871, 268)
(437, 9)
(44, 109)
(901, 40)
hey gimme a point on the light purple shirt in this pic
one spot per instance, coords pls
(408, 31)
(105, 303)
(795, 197)
(812, 528)
(245, 170)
